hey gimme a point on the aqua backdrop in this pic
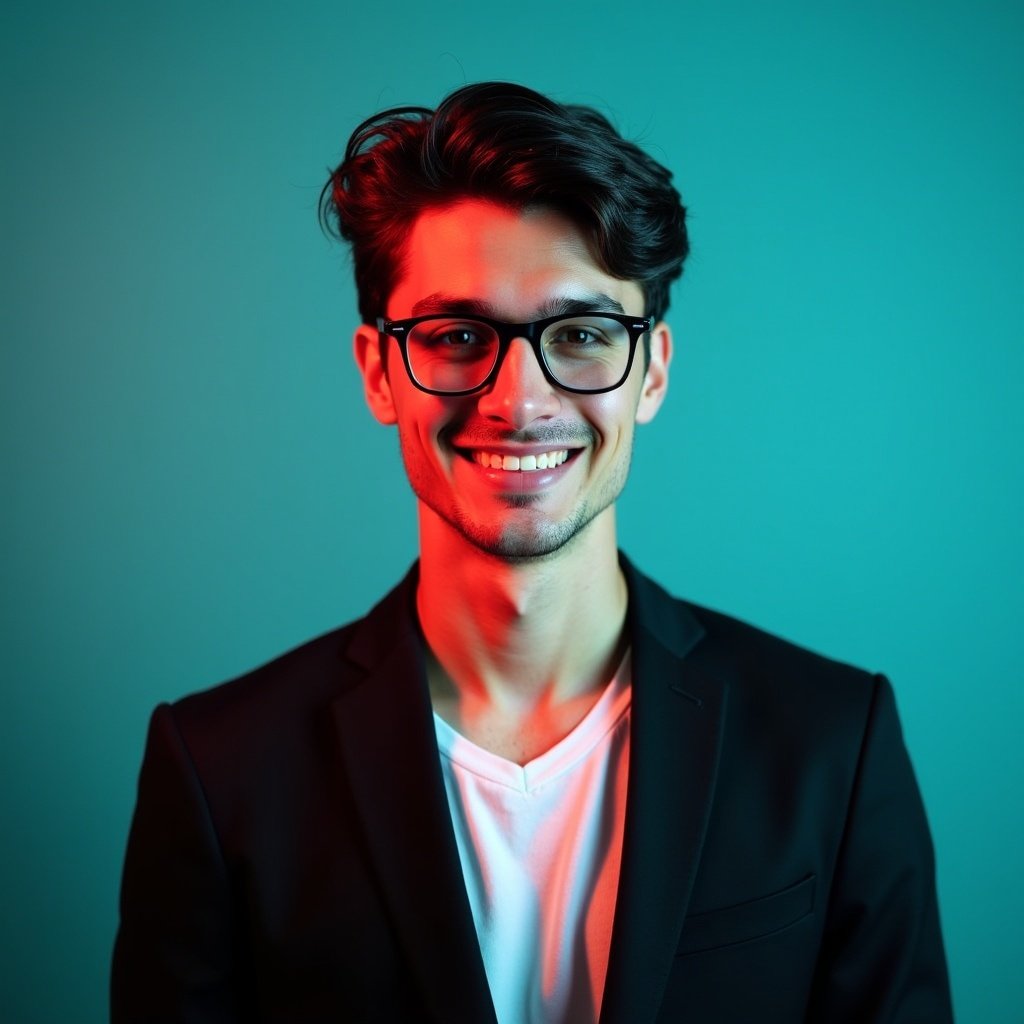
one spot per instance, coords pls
(192, 484)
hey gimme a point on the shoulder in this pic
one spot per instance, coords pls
(776, 683)
(772, 682)
(756, 653)
(803, 725)
(247, 733)
(284, 702)
(307, 675)
(317, 670)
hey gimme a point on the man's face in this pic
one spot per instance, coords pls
(516, 266)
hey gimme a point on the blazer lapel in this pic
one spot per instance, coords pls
(390, 752)
(676, 720)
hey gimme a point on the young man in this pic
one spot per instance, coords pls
(529, 786)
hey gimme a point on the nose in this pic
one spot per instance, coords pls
(520, 393)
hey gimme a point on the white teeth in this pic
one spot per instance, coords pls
(525, 463)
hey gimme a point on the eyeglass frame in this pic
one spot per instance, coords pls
(532, 331)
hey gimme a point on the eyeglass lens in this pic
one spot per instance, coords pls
(455, 354)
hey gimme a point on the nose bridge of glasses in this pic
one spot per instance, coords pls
(509, 332)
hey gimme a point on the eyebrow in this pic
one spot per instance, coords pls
(441, 302)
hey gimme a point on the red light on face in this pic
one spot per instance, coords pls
(515, 267)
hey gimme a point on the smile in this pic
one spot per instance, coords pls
(521, 464)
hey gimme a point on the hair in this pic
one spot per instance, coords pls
(508, 144)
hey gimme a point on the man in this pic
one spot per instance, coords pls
(529, 786)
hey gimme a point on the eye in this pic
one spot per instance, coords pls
(578, 335)
(583, 336)
(459, 336)
(453, 336)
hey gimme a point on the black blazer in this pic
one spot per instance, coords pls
(291, 858)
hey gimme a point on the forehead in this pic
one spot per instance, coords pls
(516, 261)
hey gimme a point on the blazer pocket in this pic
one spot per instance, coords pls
(755, 919)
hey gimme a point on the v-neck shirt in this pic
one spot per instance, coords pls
(540, 846)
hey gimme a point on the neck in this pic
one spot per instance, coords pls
(524, 641)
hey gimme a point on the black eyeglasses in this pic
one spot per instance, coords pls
(447, 354)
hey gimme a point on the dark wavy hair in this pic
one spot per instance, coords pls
(509, 144)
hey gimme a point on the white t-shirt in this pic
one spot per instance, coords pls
(540, 846)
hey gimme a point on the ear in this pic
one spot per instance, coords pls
(655, 385)
(366, 347)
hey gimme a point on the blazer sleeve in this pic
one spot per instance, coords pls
(173, 956)
(882, 958)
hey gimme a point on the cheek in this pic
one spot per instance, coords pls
(424, 420)
(611, 416)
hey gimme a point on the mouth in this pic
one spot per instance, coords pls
(529, 462)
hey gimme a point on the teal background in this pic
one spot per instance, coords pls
(192, 483)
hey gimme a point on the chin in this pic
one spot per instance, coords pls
(523, 542)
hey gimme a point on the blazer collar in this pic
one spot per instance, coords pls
(676, 728)
(385, 724)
